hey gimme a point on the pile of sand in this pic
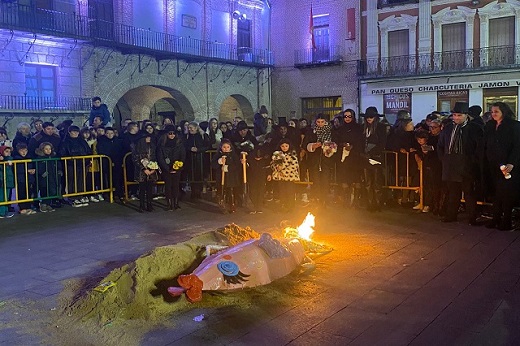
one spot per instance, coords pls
(141, 286)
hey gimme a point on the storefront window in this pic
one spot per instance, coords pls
(327, 105)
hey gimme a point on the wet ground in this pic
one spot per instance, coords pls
(394, 277)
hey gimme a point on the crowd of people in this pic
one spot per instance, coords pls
(464, 152)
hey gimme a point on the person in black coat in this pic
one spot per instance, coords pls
(25, 178)
(320, 163)
(502, 148)
(171, 155)
(46, 135)
(112, 146)
(143, 156)
(374, 134)
(74, 145)
(99, 110)
(23, 134)
(349, 163)
(458, 148)
(227, 163)
(196, 144)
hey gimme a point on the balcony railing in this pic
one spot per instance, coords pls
(60, 104)
(55, 23)
(320, 56)
(388, 3)
(491, 58)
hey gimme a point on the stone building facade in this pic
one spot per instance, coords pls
(306, 79)
(425, 55)
(197, 59)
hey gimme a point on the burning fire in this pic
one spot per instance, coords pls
(302, 231)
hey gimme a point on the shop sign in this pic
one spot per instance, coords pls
(445, 87)
(392, 103)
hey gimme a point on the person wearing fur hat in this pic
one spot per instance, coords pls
(6, 179)
(49, 172)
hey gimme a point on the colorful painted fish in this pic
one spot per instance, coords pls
(248, 264)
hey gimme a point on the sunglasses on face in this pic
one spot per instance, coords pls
(171, 133)
(348, 116)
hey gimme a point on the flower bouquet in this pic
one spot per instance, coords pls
(177, 165)
(277, 159)
(246, 146)
(329, 148)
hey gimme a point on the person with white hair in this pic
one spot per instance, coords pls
(23, 134)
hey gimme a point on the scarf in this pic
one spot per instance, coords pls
(323, 133)
(456, 139)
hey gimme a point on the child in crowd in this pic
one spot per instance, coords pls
(25, 179)
(6, 179)
(49, 173)
(426, 155)
(227, 165)
(285, 171)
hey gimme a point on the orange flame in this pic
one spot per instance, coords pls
(304, 230)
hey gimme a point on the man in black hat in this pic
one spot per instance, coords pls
(458, 150)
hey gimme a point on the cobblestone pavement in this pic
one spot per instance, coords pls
(407, 279)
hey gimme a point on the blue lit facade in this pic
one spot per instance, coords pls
(198, 59)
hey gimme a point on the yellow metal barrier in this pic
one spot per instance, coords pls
(127, 182)
(395, 184)
(79, 181)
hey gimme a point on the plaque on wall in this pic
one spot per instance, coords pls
(189, 21)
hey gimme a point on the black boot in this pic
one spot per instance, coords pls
(141, 207)
(176, 204)
(170, 204)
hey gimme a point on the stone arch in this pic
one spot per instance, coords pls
(138, 103)
(114, 86)
(236, 105)
(231, 98)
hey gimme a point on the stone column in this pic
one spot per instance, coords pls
(372, 35)
(425, 35)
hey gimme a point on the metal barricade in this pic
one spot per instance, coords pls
(128, 181)
(54, 178)
(391, 175)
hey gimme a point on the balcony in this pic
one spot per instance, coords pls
(61, 104)
(127, 38)
(391, 3)
(491, 58)
(305, 58)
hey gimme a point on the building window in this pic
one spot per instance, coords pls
(327, 105)
(321, 38)
(453, 46)
(40, 81)
(101, 14)
(398, 50)
(244, 33)
(502, 41)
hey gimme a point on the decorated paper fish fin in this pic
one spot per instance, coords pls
(193, 286)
